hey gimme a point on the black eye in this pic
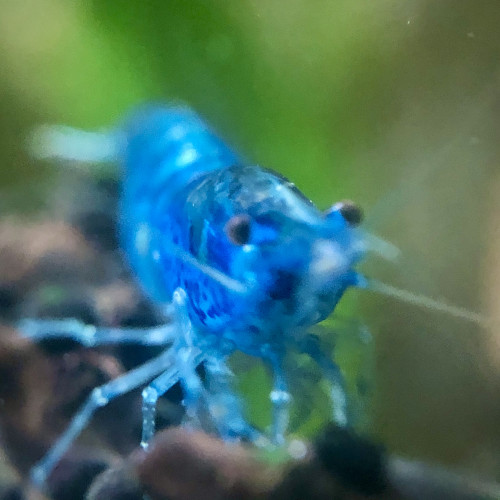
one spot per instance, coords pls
(351, 212)
(238, 229)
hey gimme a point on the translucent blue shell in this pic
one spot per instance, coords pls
(182, 185)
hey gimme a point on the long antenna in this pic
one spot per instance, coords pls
(426, 302)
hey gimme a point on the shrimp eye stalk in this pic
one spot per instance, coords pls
(238, 229)
(349, 211)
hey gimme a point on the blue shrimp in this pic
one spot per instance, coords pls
(235, 254)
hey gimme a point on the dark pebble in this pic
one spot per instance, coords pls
(355, 461)
(71, 478)
(9, 297)
(11, 493)
(115, 484)
(98, 228)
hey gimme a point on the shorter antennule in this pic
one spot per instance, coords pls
(381, 247)
(426, 302)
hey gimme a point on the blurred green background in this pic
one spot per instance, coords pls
(393, 104)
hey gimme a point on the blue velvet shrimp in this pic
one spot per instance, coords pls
(234, 254)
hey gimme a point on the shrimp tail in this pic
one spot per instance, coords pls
(63, 143)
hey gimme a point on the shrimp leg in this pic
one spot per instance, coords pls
(280, 396)
(154, 391)
(311, 345)
(223, 404)
(99, 397)
(92, 336)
